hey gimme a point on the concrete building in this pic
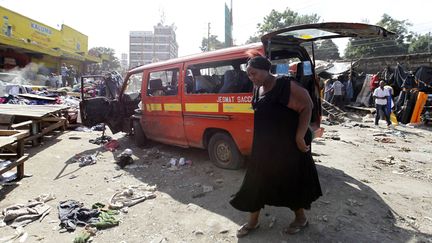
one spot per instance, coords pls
(124, 61)
(147, 46)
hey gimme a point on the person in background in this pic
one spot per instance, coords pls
(64, 74)
(328, 92)
(70, 76)
(337, 89)
(281, 171)
(349, 90)
(380, 96)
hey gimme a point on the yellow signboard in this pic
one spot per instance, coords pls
(20, 27)
(19, 31)
(73, 40)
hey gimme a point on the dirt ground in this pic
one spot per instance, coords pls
(377, 186)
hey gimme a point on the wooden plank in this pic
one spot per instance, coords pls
(31, 111)
(6, 141)
(46, 130)
(361, 108)
(37, 97)
(19, 162)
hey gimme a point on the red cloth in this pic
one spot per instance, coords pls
(374, 83)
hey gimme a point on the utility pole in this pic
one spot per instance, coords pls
(208, 37)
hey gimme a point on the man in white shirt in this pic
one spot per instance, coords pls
(337, 88)
(380, 95)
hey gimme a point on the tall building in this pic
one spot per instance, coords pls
(124, 61)
(147, 46)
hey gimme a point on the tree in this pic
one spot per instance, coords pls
(277, 20)
(109, 61)
(215, 44)
(369, 47)
(420, 44)
(326, 50)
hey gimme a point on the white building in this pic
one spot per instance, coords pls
(147, 46)
(124, 61)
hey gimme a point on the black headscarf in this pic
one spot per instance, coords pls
(260, 62)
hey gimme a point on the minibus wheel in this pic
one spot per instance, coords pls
(139, 136)
(223, 152)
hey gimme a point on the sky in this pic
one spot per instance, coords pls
(108, 23)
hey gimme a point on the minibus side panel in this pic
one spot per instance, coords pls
(162, 118)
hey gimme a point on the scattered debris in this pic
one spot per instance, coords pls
(207, 189)
(198, 232)
(389, 160)
(125, 158)
(405, 149)
(272, 222)
(100, 140)
(385, 140)
(112, 145)
(224, 231)
(20, 215)
(131, 195)
(87, 160)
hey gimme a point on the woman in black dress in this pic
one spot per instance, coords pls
(281, 171)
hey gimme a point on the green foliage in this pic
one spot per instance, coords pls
(326, 50)
(370, 47)
(277, 20)
(214, 44)
(420, 44)
(109, 61)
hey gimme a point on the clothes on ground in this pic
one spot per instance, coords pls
(380, 93)
(100, 140)
(73, 213)
(22, 214)
(87, 160)
(278, 174)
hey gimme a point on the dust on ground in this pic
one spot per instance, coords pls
(377, 186)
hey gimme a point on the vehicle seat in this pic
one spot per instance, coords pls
(235, 81)
(188, 84)
(155, 87)
(204, 84)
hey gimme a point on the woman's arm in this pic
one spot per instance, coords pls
(301, 102)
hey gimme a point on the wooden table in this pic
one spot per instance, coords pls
(13, 141)
(45, 118)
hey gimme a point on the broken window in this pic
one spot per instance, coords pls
(227, 76)
(163, 83)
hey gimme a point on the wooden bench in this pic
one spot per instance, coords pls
(12, 149)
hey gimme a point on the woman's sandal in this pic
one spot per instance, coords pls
(245, 229)
(294, 227)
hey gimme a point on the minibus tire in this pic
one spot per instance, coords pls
(223, 152)
(139, 136)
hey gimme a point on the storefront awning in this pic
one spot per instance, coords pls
(71, 55)
(93, 59)
(28, 46)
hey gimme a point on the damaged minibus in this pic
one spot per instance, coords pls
(204, 100)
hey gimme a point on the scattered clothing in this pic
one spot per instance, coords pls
(112, 145)
(20, 215)
(100, 140)
(73, 213)
(87, 160)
